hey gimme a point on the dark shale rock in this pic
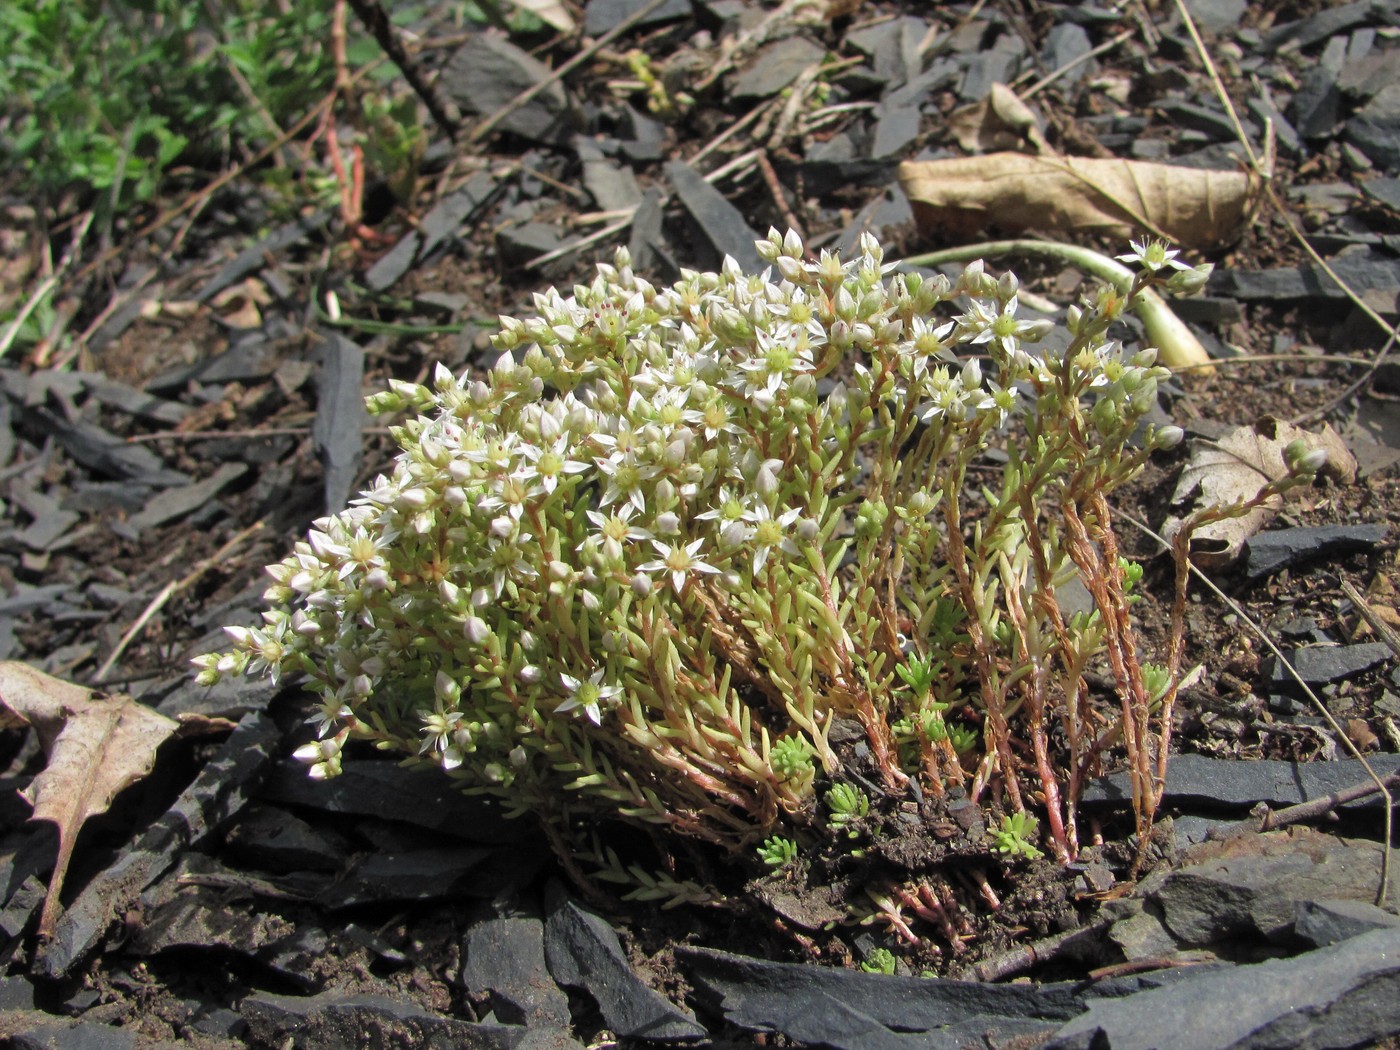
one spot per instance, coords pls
(612, 186)
(201, 919)
(50, 1034)
(718, 221)
(1320, 664)
(1326, 23)
(642, 139)
(1375, 130)
(1316, 106)
(340, 416)
(254, 258)
(1386, 191)
(583, 952)
(16, 993)
(1065, 43)
(998, 64)
(1217, 16)
(384, 789)
(410, 875)
(334, 1021)
(1363, 271)
(217, 794)
(774, 67)
(1211, 121)
(1324, 922)
(1234, 894)
(181, 500)
(1340, 996)
(1270, 552)
(601, 16)
(866, 1011)
(892, 47)
(441, 223)
(488, 71)
(504, 959)
(274, 840)
(1196, 780)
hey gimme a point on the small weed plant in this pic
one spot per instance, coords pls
(103, 98)
(641, 569)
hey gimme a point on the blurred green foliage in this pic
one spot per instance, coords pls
(101, 98)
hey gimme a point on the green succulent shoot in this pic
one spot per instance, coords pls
(777, 852)
(846, 803)
(1014, 836)
(880, 960)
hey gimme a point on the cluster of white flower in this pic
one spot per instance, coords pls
(671, 528)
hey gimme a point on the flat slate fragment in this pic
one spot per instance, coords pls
(1375, 129)
(199, 919)
(340, 417)
(853, 1010)
(410, 875)
(1340, 996)
(488, 71)
(721, 223)
(423, 798)
(49, 1034)
(1269, 552)
(1223, 782)
(334, 1021)
(584, 952)
(1362, 272)
(103, 452)
(1324, 922)
(254, 258)
(504, 958)
(441, 222)
(1326, 23)
(774, 67)
(1249, 888)
(180, 500)
(1322, 664)
(600, 16)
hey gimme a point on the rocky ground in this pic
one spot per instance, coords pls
(199, 401)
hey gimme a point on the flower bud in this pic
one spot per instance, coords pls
(1304, 460)
(1167, 438)
(1188, 282)
(476, 630)
(665, 493)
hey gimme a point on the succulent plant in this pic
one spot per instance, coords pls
(643, 567)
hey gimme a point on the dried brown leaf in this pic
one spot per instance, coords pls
(998, 121)
(551, 12)
(961, 197)
(96, 744)
(1235, 469)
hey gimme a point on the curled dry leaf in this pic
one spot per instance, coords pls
(96, 744)
(998, 121)
(1235, 468)
(960, 198)
(551, 12)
